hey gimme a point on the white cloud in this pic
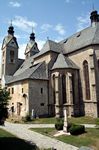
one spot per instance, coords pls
(23, 23)
(40, 43)
(14, 4)
(46, 27)
(22, 50)
(67, 1)
(60, 29)
(83, 22)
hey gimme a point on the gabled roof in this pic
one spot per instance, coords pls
(81, 39)
(30, 45)
(63, 62)
(37, 71)
(50, 46)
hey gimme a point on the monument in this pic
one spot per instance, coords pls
(65, 120)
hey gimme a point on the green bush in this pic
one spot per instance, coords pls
(69, 126)
(26, 118)
(77, 129)
(97, 121)
(59, 124)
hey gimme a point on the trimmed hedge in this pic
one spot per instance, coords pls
(59, 124)
(77, 129)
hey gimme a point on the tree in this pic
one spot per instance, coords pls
(4, 98)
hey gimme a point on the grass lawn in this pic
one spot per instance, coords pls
(90, 138)
(10, 142)
(77, 120)
(82, 120)
(52, 120)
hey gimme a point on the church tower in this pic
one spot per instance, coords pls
(94, 16)
(9, 54)
(31, 48)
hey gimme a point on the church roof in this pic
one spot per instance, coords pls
(63, 62)
(37, 71)
(50, 46)
(81, 39)
(25, 65)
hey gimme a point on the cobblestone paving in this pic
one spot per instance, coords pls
(42, 141)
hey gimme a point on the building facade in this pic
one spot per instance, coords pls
(63, 74)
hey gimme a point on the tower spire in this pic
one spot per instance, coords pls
(11, 29)
(94, 17)
(32, 35)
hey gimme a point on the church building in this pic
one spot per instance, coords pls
(61, 75)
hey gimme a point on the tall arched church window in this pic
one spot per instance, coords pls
(98, 63)
(86, 80)
(64, 89)
(54, 88)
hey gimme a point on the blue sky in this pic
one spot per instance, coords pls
(53, 19)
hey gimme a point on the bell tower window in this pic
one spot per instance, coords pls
(12, 56)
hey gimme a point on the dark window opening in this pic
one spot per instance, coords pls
(11, 56)
(54, 88)
(22, 90)
(41, 90)
(9, 90)
(86, 79)
(98, 63)
(64, 89)
(42, 104)
(12, 109)
(12, 90)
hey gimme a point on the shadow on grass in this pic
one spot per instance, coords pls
(13, 143)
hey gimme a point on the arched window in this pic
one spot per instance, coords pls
(54, 88)
(64, 88)
(86, 79)
(98, 63)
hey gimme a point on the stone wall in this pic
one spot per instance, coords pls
(17, 91)
(78, 58)
(38, 97)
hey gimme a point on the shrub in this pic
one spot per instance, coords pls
(26, 118)
(69, 126)
(59, 124)
(97, 121)
(77, 129)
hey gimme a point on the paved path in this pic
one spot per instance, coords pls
(89, 125)
(21, 130)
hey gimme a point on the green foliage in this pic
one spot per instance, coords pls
(26, 118)
(4, 98)
(59, 124)
(77, 129)
(97, 121)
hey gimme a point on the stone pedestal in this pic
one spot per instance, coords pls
(65, 120)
